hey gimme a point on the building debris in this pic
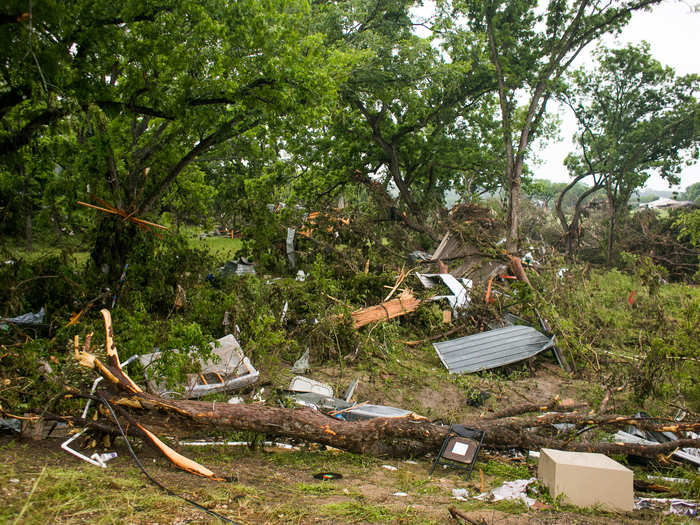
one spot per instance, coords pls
(642, 437)
(510, 491)
(289, 244)
(458, 287)
(492, 349)
(680, 507)
(232, 371)
(303, 384)
(301, 365)
(28, 318)
(351, 389)
(240, 266)
(403, 304)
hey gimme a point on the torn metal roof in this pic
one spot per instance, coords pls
(458, 287)
(492, 349)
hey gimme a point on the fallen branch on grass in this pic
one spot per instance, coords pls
(395, 437)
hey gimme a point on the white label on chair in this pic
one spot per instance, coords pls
(460, 449)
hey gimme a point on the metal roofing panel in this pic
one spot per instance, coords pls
(491, 349)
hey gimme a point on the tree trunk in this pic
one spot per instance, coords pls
(28, 234)
(114, 242)
(513, 234)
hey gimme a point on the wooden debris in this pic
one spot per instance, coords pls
(402, 305)
(108, 208)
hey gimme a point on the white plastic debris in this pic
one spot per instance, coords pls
(389, 467)
(235, 400)
(533, 454)
(510, 490)
(400, 494)
(675, 506)
(460, 494)
(302, 364)
(301, 276)
(103, 458)
(561, 271)
(669, 480)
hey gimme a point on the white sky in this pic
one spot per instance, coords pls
(673, 32)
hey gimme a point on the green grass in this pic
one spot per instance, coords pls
(356, 512)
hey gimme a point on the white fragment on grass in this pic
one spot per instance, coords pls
(411, 462)
(389, 467)
(460, 494)
(400, 494)
(510, 490)
(14, 480)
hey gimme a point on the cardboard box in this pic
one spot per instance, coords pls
(586, 479)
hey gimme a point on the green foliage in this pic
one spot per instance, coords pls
(691, 193)
(653, 343)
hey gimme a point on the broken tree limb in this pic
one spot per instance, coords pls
(554, 404)
(402, 305)
(406, 436)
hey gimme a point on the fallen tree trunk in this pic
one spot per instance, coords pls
(395, 437)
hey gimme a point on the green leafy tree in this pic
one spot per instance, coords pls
(530, 47)
(691, 193)
(412, 122)
(635, 118)
(150, 89)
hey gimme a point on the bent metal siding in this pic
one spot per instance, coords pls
(492, 349)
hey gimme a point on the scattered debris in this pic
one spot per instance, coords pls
(416, 257)
(28, 318)
(643, 437)
(14, 425)
(400, 494)
(389, 467)
(675, 506)
(232, 371)
(366, 411)
(291, 257)
(403, 304)
(460, 494)
(585, 479)
(459, 297)
(240, 266)
(328, 476)
(301, 365)
(203, 443)
(492, 349)
(351, 389)
(511, 491)
(304, 384)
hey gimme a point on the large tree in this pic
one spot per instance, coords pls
(151, 88)
(530, 47)
(635, 118)
(413, 120)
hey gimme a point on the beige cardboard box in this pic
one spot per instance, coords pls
(586, 479)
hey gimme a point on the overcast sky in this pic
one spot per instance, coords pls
(673, 32)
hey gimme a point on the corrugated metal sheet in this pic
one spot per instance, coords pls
(491, 349)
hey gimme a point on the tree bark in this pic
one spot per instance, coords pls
(395, 437)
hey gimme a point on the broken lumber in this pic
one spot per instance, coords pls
(403, 304)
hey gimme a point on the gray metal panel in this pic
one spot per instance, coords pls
(491, 349)
(374, 411)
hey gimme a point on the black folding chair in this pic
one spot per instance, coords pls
(460, 448)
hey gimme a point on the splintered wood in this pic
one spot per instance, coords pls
(403, 304)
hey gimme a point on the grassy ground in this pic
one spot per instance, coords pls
(42, 484)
